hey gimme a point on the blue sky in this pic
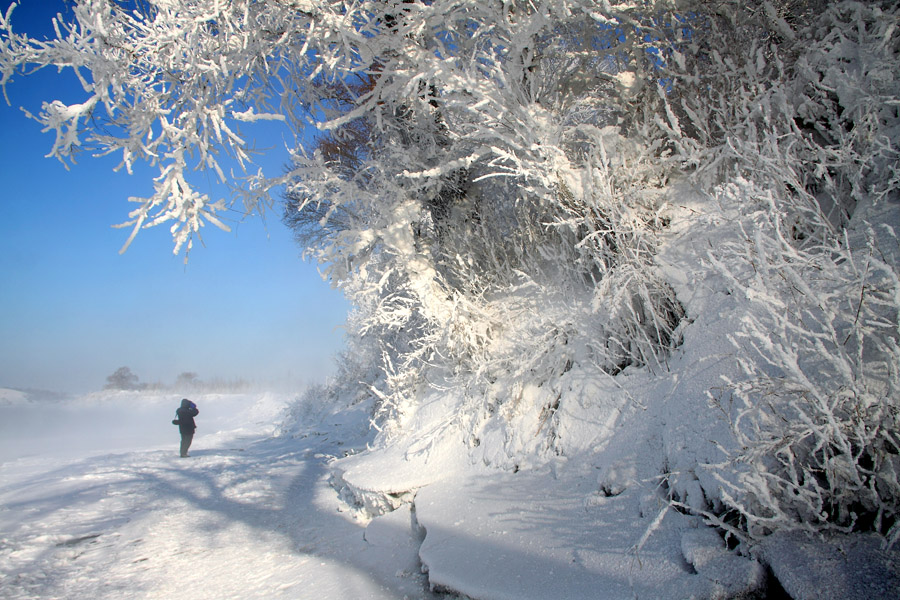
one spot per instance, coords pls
(73, 310)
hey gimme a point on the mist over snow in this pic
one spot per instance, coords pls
(117, 421)
(625, 281)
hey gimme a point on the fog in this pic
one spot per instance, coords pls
(122, 422)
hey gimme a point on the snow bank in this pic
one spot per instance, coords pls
(565, 489)
(506, 536)
(386, 477)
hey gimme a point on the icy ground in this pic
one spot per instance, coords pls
(94, 506)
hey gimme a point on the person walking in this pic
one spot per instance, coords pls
(184, 418)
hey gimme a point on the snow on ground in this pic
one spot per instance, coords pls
(532, 535)
(247, 516)
(250, 515)
(593, 525)
(255, 515)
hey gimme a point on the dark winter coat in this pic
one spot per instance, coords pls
(185, 415)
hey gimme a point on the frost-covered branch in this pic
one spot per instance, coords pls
(169, 83)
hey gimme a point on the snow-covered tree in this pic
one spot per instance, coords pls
(187, 380)
(122, 379)
(485, 181)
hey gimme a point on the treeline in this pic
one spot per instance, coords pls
(124, 379)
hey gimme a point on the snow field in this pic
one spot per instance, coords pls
(247, 516)
(317, 515)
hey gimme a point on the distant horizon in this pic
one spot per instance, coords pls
(158, 388)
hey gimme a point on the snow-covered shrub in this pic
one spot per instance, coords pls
(807, 103)
(816, 420)
(796, 105)
(496, 184)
